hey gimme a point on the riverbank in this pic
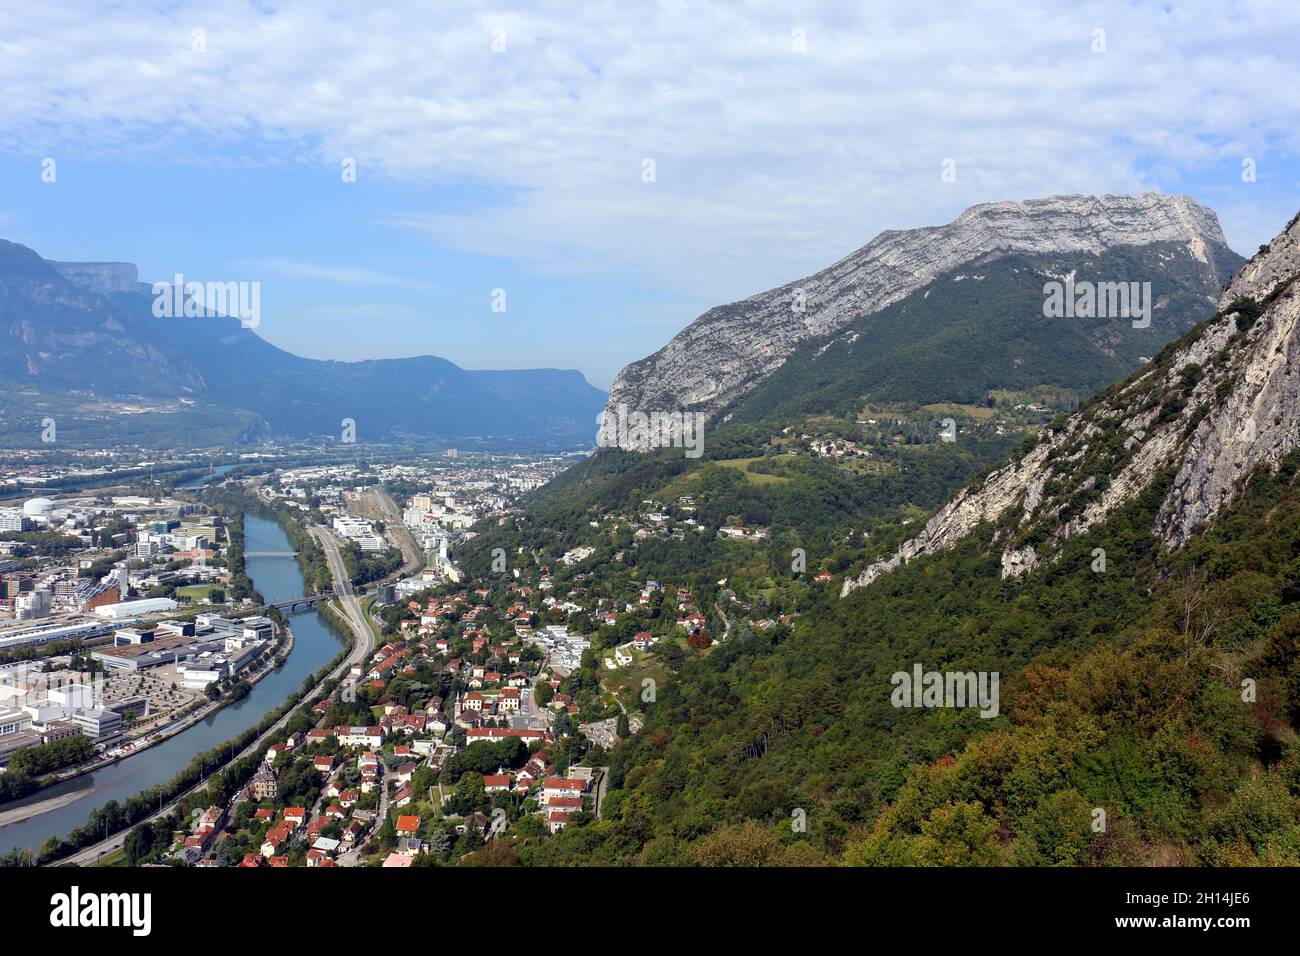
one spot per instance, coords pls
(85, 855)
(359, 648)
(154, 738)
(122, 794)
(53, 803)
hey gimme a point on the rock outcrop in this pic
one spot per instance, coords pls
(729, 349)
(1220, 403)
(103, 277)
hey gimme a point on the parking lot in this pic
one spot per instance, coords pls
(163, 687)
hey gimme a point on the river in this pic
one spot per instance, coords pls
(218, 473)
(278, 579)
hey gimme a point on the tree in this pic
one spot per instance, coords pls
(440, 842)
(388, 833)
(138, 845)
(746, 845)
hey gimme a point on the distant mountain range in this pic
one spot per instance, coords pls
(79, 343)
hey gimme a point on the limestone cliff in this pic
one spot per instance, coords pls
(729, 349)
(1213, 407)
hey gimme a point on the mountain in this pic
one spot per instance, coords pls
(1211, 409)
(1131, 577)
(978, 332)
(80, 342)
(729, 351)
(970, 346)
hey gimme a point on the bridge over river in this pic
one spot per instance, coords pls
(304, 603)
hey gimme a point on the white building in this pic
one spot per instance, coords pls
(129, 609)
(360, 531)
(11, 519)
(39, 509)
(12, 721)
(33, 604)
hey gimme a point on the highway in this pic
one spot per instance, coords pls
(344, 594)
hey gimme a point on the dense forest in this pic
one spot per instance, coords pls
(982, 328)
(1147, 715)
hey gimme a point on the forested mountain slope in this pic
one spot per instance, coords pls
(1206, 413)
(731, 349)
(1148, 701)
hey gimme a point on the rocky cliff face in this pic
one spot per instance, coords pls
(1258, 423)
(59, 330)
(103, 277)
(1208, 411)
(729, 349)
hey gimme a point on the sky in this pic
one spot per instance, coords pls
(614, 169)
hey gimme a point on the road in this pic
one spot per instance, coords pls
(363, 646)
(541, 719)
(343, 592)
(598, 795)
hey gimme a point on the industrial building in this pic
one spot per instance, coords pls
(129, 609)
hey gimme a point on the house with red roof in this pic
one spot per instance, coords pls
(553, 787)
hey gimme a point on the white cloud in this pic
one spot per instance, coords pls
(769, 162)
(343, 275)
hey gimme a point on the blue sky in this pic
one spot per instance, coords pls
(506, 147)
(338, 279)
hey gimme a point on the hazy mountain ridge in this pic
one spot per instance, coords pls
(89, 328)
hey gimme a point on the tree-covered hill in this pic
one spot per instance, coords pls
(981, 329)
(1148, 686)
(1121, 691)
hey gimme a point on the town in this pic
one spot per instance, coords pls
(127, 617)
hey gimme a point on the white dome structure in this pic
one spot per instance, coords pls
(38, 508)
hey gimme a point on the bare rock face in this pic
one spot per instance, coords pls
(1277, 261)
(1001, 490)
(729, 349)
(102, 277)
(1259, 423)
(1225, 402)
